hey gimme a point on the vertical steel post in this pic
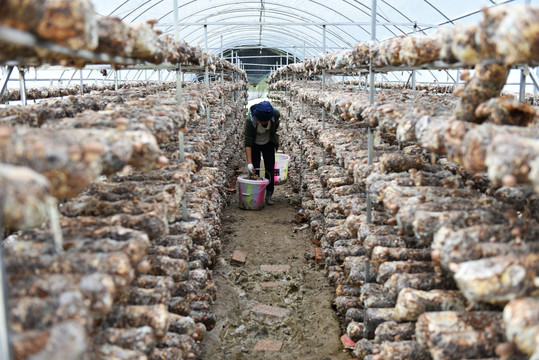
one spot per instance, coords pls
(181, 141)
(304, 79)
(179, 70)
(179, 84)
(207, 80)
(176, 21)
(5, 79)
(81, 83)
(5, 347)
(324, 81)
(323, 94)
(535, 88)
(22, 85)
(371, 101)
(222, 83)
(287, 65)
(522, 88)
(179, 78)
(116, 80)
(413, 71)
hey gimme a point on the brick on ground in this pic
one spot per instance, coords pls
(275, 268)
(268, 345)
(270, 284)
(238, 257)
(270, 310)
(318, 254)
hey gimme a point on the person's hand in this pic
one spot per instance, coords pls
(251, 168)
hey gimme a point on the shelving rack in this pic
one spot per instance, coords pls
(55, 55)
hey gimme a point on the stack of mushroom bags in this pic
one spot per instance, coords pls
(447, 265)
(130, 277)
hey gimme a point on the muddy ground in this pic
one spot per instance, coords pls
(271, 236)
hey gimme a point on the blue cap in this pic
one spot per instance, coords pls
(263, 111)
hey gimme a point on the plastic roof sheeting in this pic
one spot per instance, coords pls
(295, 26)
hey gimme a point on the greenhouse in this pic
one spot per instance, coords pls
(269, 179)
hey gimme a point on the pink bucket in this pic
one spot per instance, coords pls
(251, 193)
(281, 168)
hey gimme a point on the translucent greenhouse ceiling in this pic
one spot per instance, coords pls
(302, 29)
(296, 26)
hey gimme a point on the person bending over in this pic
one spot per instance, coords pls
(260, 136)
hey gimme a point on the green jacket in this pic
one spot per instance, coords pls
(249, 133)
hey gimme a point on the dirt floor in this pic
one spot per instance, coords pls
(271, 236)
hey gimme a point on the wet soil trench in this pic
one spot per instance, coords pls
(271, 312)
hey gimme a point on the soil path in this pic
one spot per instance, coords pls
(304, 323)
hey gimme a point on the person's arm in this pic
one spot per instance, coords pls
(277, 117)
(248, 154)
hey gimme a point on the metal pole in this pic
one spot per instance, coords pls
(206, 70)
(222, 83)
(181, 146)
(5, 348)
(5, 79)
(179, 84)
(116, 80)
(22, 84)
(207, 80)
(179, 71)
(535, 88)
(81, 83)
(413, 71)
(304, 81)
(181, 142)
(323, 107)
(176, 19)
(184, 208)
(324, 39)
(365, 329)
(323, 94)
(522, 92)
(371, 101)
(287, 65)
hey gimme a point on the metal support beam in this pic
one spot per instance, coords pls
(413, 71)
(5, 347)
(22, 84)
(304, 81)
(370, 140)
(179, 72)
(535, 79)
(522, 88)
(179, 75)
(323, 107)
(5, 79)
(176, 21)
(81, 83)
(181, 146)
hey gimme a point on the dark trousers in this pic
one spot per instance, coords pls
(268, 152)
